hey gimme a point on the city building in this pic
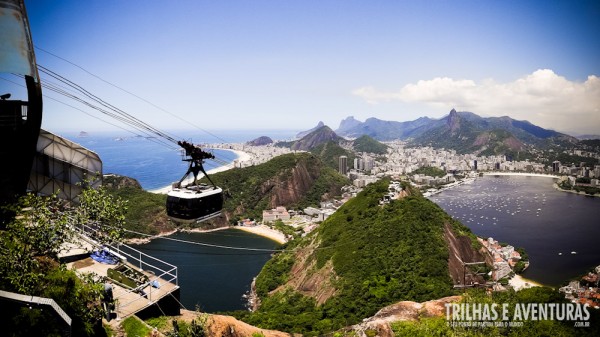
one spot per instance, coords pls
(279, 213)
(343, 165)
(556, 166)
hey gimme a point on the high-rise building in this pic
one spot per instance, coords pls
(475, 165)
(343, 162)
(555, 166)
(368, 164)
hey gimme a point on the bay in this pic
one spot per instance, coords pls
(213, 279)
(528, 212)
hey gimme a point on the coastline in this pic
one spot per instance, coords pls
(264, 231)
(260, 230)
(147, 239)
(241, 157)
(500, 173)
(518, 282)
(556, 187)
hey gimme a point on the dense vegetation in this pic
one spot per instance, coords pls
(145, 211)
(437, 326)
(330, 152)
(29, 262)
(249, 190)
(380, 255)
(569, 159)
(430, 171)
(370, 145)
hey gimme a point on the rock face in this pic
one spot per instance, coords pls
(379, 324)
(289, 189)
(453, 121)
(283, 181)
(227, 326)
(260, 141)
(461, 250)
(117, 182)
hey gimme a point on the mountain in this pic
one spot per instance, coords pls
(347, 124)
(462, 131)
(263, 140)
(467, 132)
(321, 135)
(363, 257)
(588, 137)
(382, 130)
(304, 133)
(367, 144)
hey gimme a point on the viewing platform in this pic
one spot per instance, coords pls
(141, 284)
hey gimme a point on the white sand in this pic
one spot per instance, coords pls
(241, 157)
(265, 231)
(518, 282)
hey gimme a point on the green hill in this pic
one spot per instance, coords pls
(291, 180)
(362, 258)
(330, 152)
(146, 212)
(370, 145)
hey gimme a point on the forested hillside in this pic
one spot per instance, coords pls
(292, 180)
(362, 258)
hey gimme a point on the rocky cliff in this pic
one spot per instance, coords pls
(291, 180)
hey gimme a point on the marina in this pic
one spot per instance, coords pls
(556, 229)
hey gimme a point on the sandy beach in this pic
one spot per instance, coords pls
(518, 282)
(265, 231)
(241, 157)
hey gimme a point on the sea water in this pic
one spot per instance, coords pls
(558, 230)
(155, 162)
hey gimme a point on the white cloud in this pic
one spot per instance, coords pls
(543, 98)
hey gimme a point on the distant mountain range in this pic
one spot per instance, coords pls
(461, 131)
(588, 137)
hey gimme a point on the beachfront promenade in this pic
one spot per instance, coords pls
(528, 174)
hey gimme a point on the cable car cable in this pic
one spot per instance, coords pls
(130, 93)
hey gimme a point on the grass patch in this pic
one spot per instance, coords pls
(134, 327)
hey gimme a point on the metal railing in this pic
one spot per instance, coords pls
(159, 269)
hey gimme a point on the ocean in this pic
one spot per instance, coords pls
(156, 165)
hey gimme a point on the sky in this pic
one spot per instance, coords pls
(290, 64)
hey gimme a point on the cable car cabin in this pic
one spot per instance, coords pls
(194, 203)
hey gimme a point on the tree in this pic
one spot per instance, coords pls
(29, 264)
(101, 213)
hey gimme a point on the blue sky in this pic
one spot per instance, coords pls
(290, 64)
